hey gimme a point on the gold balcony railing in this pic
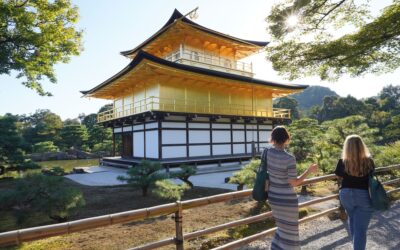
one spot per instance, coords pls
(177, 105)
(209, 61)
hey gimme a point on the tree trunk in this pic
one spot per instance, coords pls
(303, 190)
(144, 191)
(188, 182)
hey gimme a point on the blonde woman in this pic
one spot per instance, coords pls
(354, 168)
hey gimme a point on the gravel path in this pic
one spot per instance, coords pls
(383, 233)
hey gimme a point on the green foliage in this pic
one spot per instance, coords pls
(42, 126)
(73, 136)
(11, 152)
(104, 148)
(246, 176)
(144, 175)
(166, 189)
(36, 35)
(54, 171)
(304, 133)
(392, 131)
(334, 107)
(99, 134)
(370, 47)
(106, 107)
(288, 103)
(43, 147)
(42, 194)
(388, 155)
(89, 121)
(184, 174)
(312, 96)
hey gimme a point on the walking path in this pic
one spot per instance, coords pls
(383, 233)
(206, 176)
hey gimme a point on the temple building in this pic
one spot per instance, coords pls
(186, 96)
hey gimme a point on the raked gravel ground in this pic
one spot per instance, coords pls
(383, 233)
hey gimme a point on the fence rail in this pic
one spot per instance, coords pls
(18, 236)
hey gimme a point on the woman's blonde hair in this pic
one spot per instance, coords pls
(356, 156)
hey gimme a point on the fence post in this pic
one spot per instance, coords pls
(178, 227)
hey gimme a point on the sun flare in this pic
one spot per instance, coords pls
(292, 21)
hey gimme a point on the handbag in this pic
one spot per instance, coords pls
(261, 184)
(377, 193)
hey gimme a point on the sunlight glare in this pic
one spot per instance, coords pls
(292, 21)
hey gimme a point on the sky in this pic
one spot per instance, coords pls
(110, 27)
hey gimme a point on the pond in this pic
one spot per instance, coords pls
(68, 165)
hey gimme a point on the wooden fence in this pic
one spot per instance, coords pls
(18, 236)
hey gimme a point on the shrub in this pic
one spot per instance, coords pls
(184, 174)
(246, 176)
(44, 147)
(37, 193)
(144, 175)
(168, 190)
(104, 148)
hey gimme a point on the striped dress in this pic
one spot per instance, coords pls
(283, 199)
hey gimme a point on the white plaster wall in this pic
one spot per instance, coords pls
(222, 149)
(238, 126)
(138, 141)
(174, 125)
(238, 136)
(173, 152)
(127, 128)
(199, 136)
(249, 147)
(173, 136)
(269, 127)
(238, 148)
(152, 144)
(199, 125)
(264, 135)
(218, 125)
(138, 127)
(199, 151)
(250, 137)
(221, 136)
(151, 125)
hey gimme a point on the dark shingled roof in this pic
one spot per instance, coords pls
(177, 15)
(144, 55)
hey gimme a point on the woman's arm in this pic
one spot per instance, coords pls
(296, 182)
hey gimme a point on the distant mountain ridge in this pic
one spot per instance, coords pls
(312, 96)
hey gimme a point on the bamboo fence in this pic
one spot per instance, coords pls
(16, 237)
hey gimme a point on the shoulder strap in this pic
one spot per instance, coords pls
(264, 158)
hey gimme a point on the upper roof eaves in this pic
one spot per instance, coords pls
(143, 55)
(177, 15)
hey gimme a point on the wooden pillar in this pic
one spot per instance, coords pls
(113, 138)
(178, 227)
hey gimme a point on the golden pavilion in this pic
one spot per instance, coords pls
(186, 96)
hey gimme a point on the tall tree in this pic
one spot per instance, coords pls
(335, 107)
(34, 36)
(314, 37)
(73, 136)
(390, 99)
(42, 126)
(288, 103)
(11, 152)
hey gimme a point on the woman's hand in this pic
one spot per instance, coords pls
(313, 168)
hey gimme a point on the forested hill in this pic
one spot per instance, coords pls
(312, 96)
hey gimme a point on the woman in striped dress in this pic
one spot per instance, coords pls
(281, 195)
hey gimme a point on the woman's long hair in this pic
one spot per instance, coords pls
(356, 156)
